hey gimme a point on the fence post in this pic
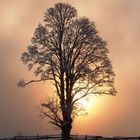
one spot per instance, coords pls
(85, 137)
(37, 137)
(76, 137)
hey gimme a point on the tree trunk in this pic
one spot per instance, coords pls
(66, 130)
(66, 134)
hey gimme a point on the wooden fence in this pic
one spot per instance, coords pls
(73, 137)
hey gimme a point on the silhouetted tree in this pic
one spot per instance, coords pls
(68, 51)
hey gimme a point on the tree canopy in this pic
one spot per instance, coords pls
(68, 51)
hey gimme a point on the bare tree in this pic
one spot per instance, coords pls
(68, 51)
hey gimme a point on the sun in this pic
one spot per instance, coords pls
(88, 102)
(84, 101)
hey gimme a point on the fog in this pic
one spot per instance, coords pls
(117, 21)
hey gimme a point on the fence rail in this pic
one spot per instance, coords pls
(73, 137)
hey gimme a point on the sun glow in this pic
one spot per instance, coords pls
(84, 101)
(81, 91)
(88, 103)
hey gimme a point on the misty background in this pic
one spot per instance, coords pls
(118, 22)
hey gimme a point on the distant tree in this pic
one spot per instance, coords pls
(68, 51)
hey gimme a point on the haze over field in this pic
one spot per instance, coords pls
(118, 22)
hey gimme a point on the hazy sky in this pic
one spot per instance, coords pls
(118, 22)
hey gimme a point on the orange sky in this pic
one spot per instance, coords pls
(117, 21)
